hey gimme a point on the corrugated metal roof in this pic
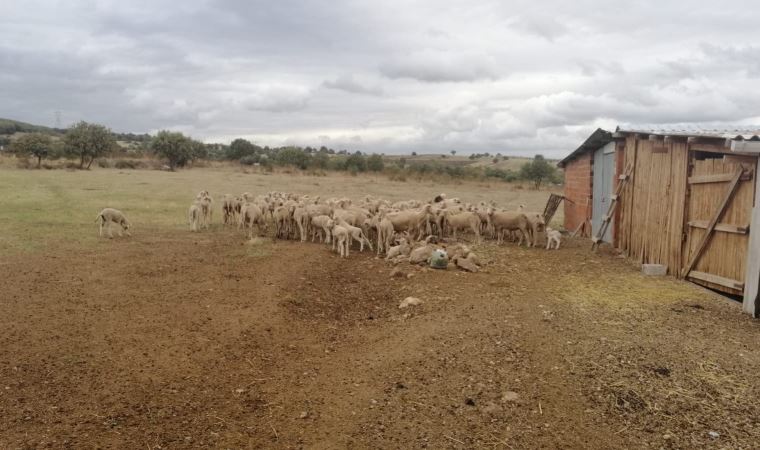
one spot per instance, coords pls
(597, 139)
(741, 134)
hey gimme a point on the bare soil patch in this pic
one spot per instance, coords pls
(172, 340)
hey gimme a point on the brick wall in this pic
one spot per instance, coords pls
(578, 179)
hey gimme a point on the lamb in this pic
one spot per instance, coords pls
(110, 215)
(342, 239)
(194, 216)
(356, 234)
(552, 237)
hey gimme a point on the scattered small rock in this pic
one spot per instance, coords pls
(304, 414)
(410, 301)
(664, 371)
(469, 402)
(400, 385)
(397, 272)
(713, 434)
(510, 396)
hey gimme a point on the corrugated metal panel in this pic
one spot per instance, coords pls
(752, 134)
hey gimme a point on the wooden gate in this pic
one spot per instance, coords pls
(720, 196)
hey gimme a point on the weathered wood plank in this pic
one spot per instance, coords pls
(710, 278)
(711, 226)
(718, 178)
(728, 228)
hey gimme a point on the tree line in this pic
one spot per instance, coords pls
(87, 142)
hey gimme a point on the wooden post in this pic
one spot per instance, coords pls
(751, 303)
(714, 221)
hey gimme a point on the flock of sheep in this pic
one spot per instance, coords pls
(394, 228)
(402, 231)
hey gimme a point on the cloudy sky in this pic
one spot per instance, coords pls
(392, 76)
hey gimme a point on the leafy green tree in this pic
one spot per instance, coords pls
(240, 148)
(88, 141)
(293, 156)
(356, 162)
(414, 153)
(36, 144)
(453, 152)
(320, 160)
(537, 171)
(375, 163)
(177, 148)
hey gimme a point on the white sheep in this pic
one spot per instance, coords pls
(553, 237)
(194, 216)
(109, 216)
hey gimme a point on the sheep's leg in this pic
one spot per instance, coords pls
(110, 231)
(556, 247)
(100, 229)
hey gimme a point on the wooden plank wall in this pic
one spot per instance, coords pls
(651, 229)
(726, 254)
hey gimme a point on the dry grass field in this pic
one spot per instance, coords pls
(171, 339)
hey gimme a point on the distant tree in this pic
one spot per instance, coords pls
(240, 148)
(293, 156)
(375, 163)
(36, 144)
(537, 171)
(356, 162)
(177, 148)
(495, 160)
(88, 141)
(320, 160)
(414, 153)
(453, 152)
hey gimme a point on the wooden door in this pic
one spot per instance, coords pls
(720, 199)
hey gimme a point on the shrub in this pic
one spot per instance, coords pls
(104, 163)
(249, 160)
(128, 164)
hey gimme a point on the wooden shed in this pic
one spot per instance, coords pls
(687, 200)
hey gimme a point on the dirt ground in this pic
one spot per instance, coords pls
(173, 340)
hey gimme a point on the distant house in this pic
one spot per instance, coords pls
(688, 202)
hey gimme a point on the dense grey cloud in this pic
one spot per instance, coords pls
(516, 77)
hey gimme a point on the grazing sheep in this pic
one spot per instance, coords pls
(321, 226)
(194, 216)
(230, 209)
(501, 221)
(463, 221)
(253, 215)
(553, 237)
(109, 216)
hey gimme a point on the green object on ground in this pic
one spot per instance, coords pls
(439, 259)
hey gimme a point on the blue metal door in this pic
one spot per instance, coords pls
(603, 187)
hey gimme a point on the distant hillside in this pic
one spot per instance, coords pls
(10, 127)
